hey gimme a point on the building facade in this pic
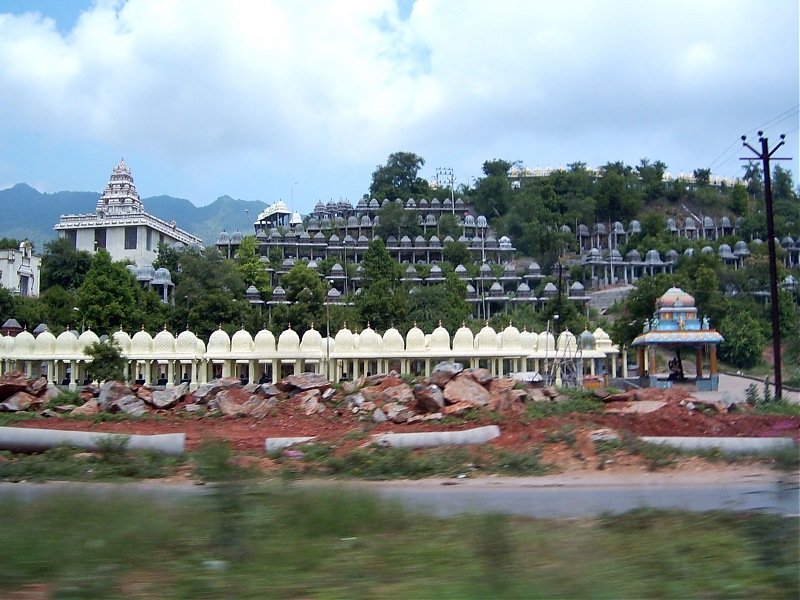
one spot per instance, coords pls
(121, 226)
(19, 270)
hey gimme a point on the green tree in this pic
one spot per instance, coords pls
(63, 265)
(306, 294)
(107, 297)
(739, 199)
(395, 220)
(59, 304)
(248, 261)
(744, 340)
(107, 361)
(381, 302)
(702, 177)
(168, 258)
(398, 178)
(445, 303)
(456, 253)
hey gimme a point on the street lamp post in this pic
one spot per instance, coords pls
(83, 319)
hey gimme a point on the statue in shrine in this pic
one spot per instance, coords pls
(676, 367)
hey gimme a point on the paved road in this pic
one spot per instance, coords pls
(558, 496)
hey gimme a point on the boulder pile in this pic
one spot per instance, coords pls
(450, 390)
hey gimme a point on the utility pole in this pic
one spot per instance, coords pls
(446, 173)
(765, 156)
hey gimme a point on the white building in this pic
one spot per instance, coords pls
(121, 225)
(19, 270)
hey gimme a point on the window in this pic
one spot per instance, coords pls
(149, 240)
(131, 234)
(99, 239)
(72, 236)
(23, 286)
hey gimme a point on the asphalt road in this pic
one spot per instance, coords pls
(541, 497)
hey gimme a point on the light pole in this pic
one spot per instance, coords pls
(83, 319)
(294, 184)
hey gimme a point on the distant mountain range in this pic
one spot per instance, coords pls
(26, 213)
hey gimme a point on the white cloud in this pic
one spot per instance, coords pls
(348, 82)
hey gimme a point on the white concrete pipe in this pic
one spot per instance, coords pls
(431, 439)
(728, 445)
(18, 439)
(273, 444)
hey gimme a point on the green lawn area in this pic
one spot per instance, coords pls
(284, 542)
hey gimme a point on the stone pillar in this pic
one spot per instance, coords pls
(613, 366)
(170, 373)
(651, 367)
(276, 370)
(712, 355)
(698, 361)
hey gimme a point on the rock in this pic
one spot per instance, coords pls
(89, 408)
(143, 393)
(304, 381)
(400, 392)
(231, 401)
(536, 395)
(691, 405)
(433, 417)
(49, 394)
(258, 407)
(208, 391)
(36, 386)
(508, 402)
(192, 408)
(51, 414)
(355, 400)
(130, 405)
(20, 401)
(444, 372)
(429, 397)
(457, 409)
(111, 393)
(550, 392)
(92, 389)
(169, 397)
(328, 394)
(482, 376)
(466, 389)
(349, 387)
(498, 386)
(309, 402)
(64, 408)
(368, 406)
(378, 416)
(11, 383)
(267, 390)
(603, 435)
(396, 412)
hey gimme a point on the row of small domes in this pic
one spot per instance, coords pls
(367, 342)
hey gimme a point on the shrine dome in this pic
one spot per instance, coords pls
(675, 298)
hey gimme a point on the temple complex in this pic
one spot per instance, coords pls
(121, 225)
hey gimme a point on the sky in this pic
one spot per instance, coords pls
(300, 100)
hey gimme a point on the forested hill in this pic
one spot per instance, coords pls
(30, 214)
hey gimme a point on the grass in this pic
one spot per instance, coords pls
(383, 463)
(577, 403)
(285, 542)
(67, 463)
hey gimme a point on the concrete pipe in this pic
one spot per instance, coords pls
(273, 444)
(432, 439)
(727, 445)
(18, 439)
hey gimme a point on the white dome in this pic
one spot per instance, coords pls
(393, 341)
(45, 343)
(486, 339)
(288, 341)
(546, 342)
(415, 339)
(264, 342)
(86, 339)
(66, 343)
(369, 341)
(242, 341)
(440, 339)
(567, 342)
(344, 340)
(219, 342)
(527, 341)
(186, 342)
(123, 339)
(463, 340)
(164, 342)
(141, 343)
(511, 337)
(312, 341)
(24, 343)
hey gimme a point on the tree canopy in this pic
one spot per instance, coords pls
(399, 178)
